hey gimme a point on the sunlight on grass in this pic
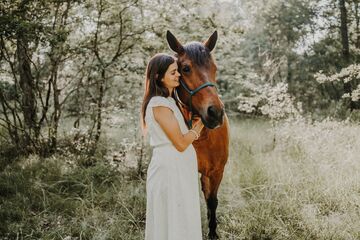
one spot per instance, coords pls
(292, 184)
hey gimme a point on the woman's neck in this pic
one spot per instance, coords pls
(170, 91)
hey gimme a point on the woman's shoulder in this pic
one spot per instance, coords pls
(158, 98)
(160, 101)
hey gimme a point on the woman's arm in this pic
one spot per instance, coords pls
(168, 122)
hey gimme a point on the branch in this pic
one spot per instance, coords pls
(95, 48)
(46, 106)
(68, 95)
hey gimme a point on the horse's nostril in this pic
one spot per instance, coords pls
(211, 111)
(214, 113)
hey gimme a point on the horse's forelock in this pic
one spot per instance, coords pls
(197, 53)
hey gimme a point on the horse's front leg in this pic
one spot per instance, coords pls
(210, 185)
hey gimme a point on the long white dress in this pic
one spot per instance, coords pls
(172, 190)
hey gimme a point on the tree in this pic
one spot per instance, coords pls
(23, 31)
(51, 53)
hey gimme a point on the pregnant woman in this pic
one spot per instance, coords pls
(173, 205)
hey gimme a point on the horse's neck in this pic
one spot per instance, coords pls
(185, 112)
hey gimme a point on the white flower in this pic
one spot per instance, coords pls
(346, 95)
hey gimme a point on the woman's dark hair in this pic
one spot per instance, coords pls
(155, 71)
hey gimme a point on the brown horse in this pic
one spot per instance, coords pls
(197, 96)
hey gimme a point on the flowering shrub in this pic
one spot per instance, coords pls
(76, 141)
(348, 74)
(82, 141)
(272, 101)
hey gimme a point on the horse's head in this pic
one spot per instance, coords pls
(197, 68)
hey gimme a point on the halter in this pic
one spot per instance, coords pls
(191, 92)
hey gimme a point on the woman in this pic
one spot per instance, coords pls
(173, 206)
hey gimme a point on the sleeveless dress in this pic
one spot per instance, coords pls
(172, 190)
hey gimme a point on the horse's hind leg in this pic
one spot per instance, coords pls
(210, 186)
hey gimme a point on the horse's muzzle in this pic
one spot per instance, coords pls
(215, 117)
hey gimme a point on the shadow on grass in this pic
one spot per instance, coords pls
(50, 199)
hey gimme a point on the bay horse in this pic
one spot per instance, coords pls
(197, 96)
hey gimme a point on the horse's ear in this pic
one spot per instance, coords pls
(174, 44)
(211, 42)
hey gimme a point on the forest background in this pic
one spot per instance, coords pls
(73, 160)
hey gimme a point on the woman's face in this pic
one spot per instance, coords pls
(171, 77)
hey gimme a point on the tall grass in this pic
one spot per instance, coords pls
(49, 199)
(294, 180)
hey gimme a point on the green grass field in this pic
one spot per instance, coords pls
(290, 181)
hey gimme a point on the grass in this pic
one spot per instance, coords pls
(292, 181)
(46, 199)
(296, 181)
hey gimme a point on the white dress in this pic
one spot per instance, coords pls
(172, 190)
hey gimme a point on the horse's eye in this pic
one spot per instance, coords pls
(186, 69)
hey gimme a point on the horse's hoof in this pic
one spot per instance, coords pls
(213, 236)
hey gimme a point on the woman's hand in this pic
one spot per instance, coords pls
(197, 125)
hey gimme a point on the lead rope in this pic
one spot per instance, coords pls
(191, 113)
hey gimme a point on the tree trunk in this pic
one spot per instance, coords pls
(26, 82)
(56, 55)
(357, 19)
(344, 31)
(98, 118)
(57, 110)
(345, 48)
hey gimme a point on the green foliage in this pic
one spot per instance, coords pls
(8, 90)
(24, 18)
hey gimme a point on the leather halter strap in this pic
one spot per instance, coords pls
(191, 93)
